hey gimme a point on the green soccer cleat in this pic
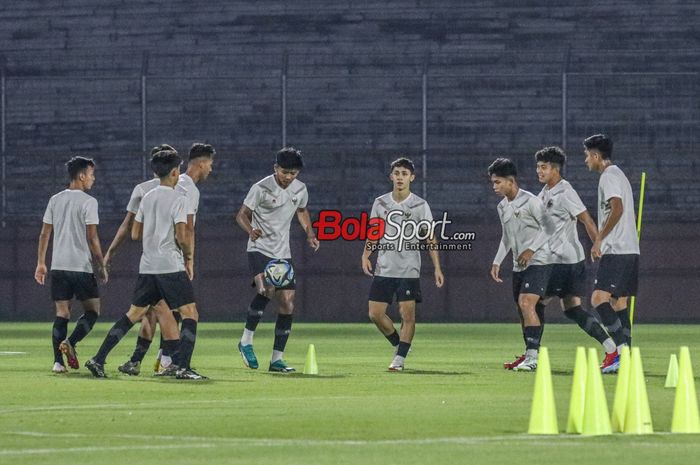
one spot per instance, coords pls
(131, 368)
(280, 366)
(249, 358)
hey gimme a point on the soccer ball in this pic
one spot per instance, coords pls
(279, 273)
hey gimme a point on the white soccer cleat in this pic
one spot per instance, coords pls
(396, 364)
(529, 364)
(58, 368)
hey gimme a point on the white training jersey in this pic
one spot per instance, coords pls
(562, 205)
(273, 209)
(392, 263)
(523, 224)
(160, 210)
(184, 186)
(623, 237)
(70, 211)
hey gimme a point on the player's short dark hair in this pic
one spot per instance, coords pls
(553, 155)
(160, 147)
(199, 150)
(502, 167)
(403, 162)
(600, 143)
(164, 161)
(77, 165)
(289, 158)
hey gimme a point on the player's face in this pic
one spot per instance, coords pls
(592, 159)
(205, 167)
(545, 172)
(88, 177)
(285, 176)
(501, 186)
(402, 178)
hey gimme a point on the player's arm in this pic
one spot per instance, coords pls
(137, 231)
(182, 236)
(244, 218)
(538, 213)
(500, 255)
(435, 258)
(616, 210)
(370, 246)
(119, 237)
(44, 236)
(93, 241)
(305, 221)
(190, 232)
(591, 229)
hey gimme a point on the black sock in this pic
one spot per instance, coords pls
(624, 316)
(82, 327)
(532, 337)
(283, 327)
(403, 349)
(539, 309)
(178, 320)
(60, 330)
(116, 333)
(255, 311)
(612, 322)
(393, 338)
(188, 337)
(142, 345)
(587, 322)
(170, 348)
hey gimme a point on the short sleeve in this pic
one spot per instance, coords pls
(91, 216)
(139, 214)
(180, 211)
(193, 202)
(135, 200)
(375, 212)
(304, 200)
(573, 203)
(254, 197)
(48, 214)
(609, 187)
(427, 214)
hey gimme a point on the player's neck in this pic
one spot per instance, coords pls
(400, 195)
(605, 165)
(554, 181)
(168, 182)
(513, 194)
(194, 174)
(76, 186)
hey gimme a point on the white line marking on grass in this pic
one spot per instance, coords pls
(51, 451)
(12, 353)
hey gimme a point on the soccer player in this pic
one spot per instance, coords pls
(266, 216)
(397, 272)
(522, 217)
(199, 167)
(72, 217)
(165, 270)
(617, 246)
(563, 209)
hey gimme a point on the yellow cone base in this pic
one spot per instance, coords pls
(685, 407)
(311, 367)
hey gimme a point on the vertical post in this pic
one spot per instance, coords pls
(3, 143)
(283, 85)
(424, 117)
(144, 115)
(564, 109)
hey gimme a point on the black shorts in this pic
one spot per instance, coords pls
(618, 274)
(175, 288)
(257, 263)
(533, 280)
(66, 284)
(567, 279)
(405, 289)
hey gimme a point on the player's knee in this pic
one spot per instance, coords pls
(190, 312)
(598, 298)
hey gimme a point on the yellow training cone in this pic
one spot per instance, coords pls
(543, 416)
(672, 373)
(685, 407)
(621, 390)
(311, 367)
(637, 416)
(596, 419)
(578, 393)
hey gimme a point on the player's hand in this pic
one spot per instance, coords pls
(255, 234)
(189, 269)
(367, 266)
(439, 278)
(525, 257)
(596, 252)
(102, 274)
(313, 242)
(109, 256)
(40, 274)
(495, 271)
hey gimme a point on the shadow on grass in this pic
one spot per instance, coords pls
(436, 372)
(303, 376)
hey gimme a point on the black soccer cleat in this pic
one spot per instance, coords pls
(188, 373)
(97, 369)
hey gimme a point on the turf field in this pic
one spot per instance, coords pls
(454, 404)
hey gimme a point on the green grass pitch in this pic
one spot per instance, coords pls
(454, 404)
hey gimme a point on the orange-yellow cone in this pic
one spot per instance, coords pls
(621, 391)
(574, 423)
(596, 418)
(311, 367)
(685, 407)
(543, 416)
(672, 373)
(638, 415)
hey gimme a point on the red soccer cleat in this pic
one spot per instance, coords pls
(611, 363)
(514, 363)
(69, 351)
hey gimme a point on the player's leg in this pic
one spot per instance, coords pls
(170, 338)
(59, 332)
(532, 331)
(619, 304)
(407, 309)
(381, 294)
(574, 311)
(283, 328)
(517, 280)
(253, 316)
(91, 310)
(143, 342)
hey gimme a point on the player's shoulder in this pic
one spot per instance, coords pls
(267, 183)
(296, 187)
(415, 201)
(383, 200)
(147, 186)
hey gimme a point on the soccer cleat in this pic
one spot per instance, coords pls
(280, 366)
(169, 371)
(395, 367)
(58, 368)
(188, 373)
(518, 360)
(97, 369)
(529, 363)
(611, 363)
(69, 351)
(131, 368)
(249, 358)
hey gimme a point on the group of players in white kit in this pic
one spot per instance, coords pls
(540, 231)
